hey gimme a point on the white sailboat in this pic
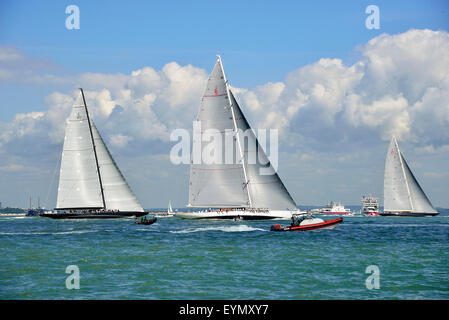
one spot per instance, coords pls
(403, 196)
(233, 189)
(90, 183)
(169, 213)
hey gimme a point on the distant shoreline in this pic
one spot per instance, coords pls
(9, 210)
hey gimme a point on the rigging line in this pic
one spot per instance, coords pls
(58, 164)
(95, 150)
(403, 172)
(236, 129)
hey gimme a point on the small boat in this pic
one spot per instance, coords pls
(304, 224)
(34, 212)
(146, 221)
(169, 213)
(370, 206)
(334, 207)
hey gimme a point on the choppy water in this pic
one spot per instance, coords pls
(182, 259)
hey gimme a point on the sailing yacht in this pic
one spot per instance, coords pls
(90, 183)
(233, 189)
(169, 213)
(403, 196)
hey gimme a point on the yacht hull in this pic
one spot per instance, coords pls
(236, 214)
(163, 215)
(407, 214)
(97, 215)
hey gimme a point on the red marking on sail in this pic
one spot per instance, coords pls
(217, 95)
(216, 91)
(392, 152)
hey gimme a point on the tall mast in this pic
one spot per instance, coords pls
(95, 151)
(403, 172)
(236, 132)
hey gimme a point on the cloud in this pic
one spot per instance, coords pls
(16, 66)
(119, 140)
(143, 106)
(400, 86)
(430, 149)
(12, 167)
(327, 112)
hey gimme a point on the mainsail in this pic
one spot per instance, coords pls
(216, 184)
(239, 182)
(79, 184)
(402, 192)
(89, 177)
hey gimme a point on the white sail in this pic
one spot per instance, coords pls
(117, 193)
(89, 177)
(79, 185)
(402, 191)
(216, 184)
(265, 186)
(235, 183)
(420, 202)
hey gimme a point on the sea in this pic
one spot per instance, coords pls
(174, 259)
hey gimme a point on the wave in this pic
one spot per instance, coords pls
(389, 225)
(13, 217)
(74, 232)
(46, 233)
(239, 228)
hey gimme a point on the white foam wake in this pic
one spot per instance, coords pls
(239, 228)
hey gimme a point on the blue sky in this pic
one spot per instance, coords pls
(260, 42)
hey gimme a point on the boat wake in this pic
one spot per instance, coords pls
(239, 228)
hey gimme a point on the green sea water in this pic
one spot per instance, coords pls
(183, 259)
